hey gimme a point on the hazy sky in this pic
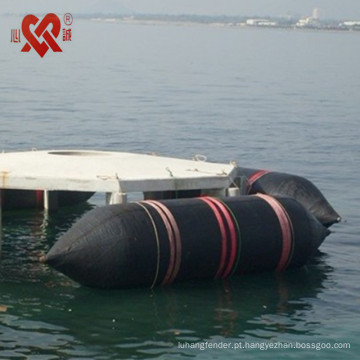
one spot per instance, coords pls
(340, 9)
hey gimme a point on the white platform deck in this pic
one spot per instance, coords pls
(109, 172)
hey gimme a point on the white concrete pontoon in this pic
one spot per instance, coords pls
(114, 173)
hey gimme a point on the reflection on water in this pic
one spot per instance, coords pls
(44, 307)
(27, 234)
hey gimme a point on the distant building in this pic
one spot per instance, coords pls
(260, 22)
(310, 21)
(351, 24)
(315, 14)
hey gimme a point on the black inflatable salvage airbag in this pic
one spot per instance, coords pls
(152, 242)
(293, 186)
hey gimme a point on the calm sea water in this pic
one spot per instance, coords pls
(275, 99)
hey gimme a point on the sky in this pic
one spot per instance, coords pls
(335, 9)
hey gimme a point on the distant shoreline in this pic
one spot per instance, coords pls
(274, 23)
(306, 23)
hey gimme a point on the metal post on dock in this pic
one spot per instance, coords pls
(239, 187)
(116, 198)
(50, 200)
(0, 223)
